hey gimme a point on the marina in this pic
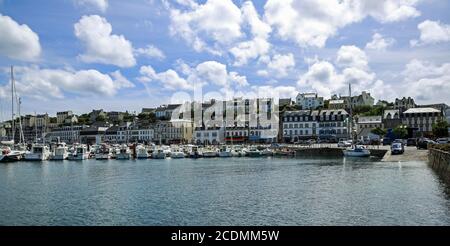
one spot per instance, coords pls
(223, 191)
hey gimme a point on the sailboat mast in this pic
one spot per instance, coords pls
(13, 129)
(351, 110)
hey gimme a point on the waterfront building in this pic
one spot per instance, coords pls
(404, 104)
(365, 125)
(62, 116)
(299, 125)
(336, 104)
(28, 120)
(67, 134)
(115, 116)
(332, 123)
(42, 120)
(173, 131)
(236, 135)
(309, 101)
(92, 135)
(420, 120)
(207, 136)
(391, 118)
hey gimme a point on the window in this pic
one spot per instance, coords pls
(214, 134)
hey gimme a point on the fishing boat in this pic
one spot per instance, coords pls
(142, 152)
(60, 153)
(39, 152)
(103, 152)
(357, 151)
(79, 153)
(239, 151)
(124, 153)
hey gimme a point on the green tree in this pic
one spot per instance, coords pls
(400, 131)
(100, 118)
(440, 129)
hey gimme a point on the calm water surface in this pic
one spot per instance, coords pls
(237, 191)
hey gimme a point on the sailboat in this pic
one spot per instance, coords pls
(8, 154)
(354, 150)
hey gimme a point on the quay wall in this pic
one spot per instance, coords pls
(331, 152)
(440, 161)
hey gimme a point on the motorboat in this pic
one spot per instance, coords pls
(177, 153)
(225, 151)
(159, 154)
(267, 152)
(194, 151)
(210, 152)
(60, 153)
(124, 153)
(79, 153)
(142, 152)
(357, 151)
(39, 152)
(103, 152)
(9, 155)
(253, 152)
(239, 151)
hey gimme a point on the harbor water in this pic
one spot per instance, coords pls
(223, 191)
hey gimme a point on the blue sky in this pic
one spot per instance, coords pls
(157, 50)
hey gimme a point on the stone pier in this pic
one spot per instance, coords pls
(440, 161)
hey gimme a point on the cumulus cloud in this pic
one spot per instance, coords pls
(52, 83)
(151, 51)
(205, 73)
(18, 41)
(219, 26)
(351, 66)
(312, 22)
(379, 43)
(101, 5)
(278, 66)
(432, 32)
(102, 46)
(426, 81)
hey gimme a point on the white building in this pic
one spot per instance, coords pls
(299, 125)
(421, 120)
(209, 135)
(309, 101)
(332, 124)
(67, 134)
(366, 124)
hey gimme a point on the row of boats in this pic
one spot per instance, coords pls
(61, 151)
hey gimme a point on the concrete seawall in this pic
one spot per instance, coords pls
(440, 161)
(332, 152)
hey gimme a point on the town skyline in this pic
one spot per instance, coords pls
(120, 56)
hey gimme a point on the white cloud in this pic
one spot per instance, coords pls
(312, 22)
(427, 82)
(102, 46)
(101, 5)
(278, 66)
(351, 56)
(325, 78)
(259, 45)
(151, 51)
(205, 73)
(18, 41)
(379, 43)
(217, 20)
(52, 83)
(432, 32)
(218, 26)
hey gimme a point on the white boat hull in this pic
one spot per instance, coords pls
(351, 153)
(225, 154)
(36, 157)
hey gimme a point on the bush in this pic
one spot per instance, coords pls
(443, 147)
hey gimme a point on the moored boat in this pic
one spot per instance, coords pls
(39, 152)
(357, 151)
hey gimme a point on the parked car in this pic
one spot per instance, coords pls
(344, 144)
(403, 141)
(423, 143)
(442, 140)
(397, 148)
(411, 142)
